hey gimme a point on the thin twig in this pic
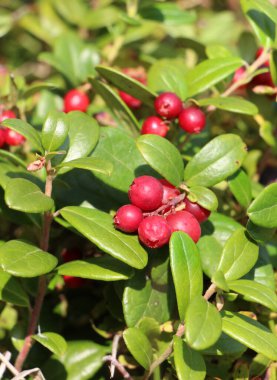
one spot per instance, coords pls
(118, 366)
(9, 366)
(210, 291)
(116, 340)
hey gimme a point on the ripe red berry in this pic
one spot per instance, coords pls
(263, 79)
(74, 282)
(130, 100)
(13, 138)
(2, 137)
(71, 255)
(168, 105)
(154, 231)
(7, 115)
(155, 126)
(192, 120)
(146, 192)
(76, 100)
(200, 213)
(169, 191)
(186, 222)
(128, 218)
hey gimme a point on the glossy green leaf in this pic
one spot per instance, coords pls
(240, 186)
(260, 234)
(186, 270)
(250, 333)
(239, 255)
(210, 253)
(127, 84)
(139, 346)
(26, 130)
(204, 197)
(219, 280)
(203, 324)
(90, 163)
(54, 131)
(263, 210)
(162, 156)
(232, 104)
(255, 292)
(12, 291)
(208, 73)
(189, 364)
(267, 8)
(98, 227)
(54, 342)
(225, 345)
(104, 268)
(25, 260)
(23, 195)
(217, 160)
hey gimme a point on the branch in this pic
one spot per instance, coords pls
(118, 366)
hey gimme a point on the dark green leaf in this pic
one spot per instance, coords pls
(225, 345)
(267, 8)
(170, 14)
(12, 291)
(210, 253)
(54, 131)
(259, 365)
(139, 346)
(204, 197)
(90, 163)
(260, 234)
(232, 104)
(54, 342)
(240, 186)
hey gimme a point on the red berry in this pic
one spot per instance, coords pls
(73, 282)
(76, 100)
(263, 79)
(238, 75)
(71, 255)
(200, 213)
(169, 191)
(146, 192)
(7, 115)
(13, 138)
(154, 231)
(2, 137)
(168, 105)
(137, 73)
(130, 100)
(155, 126)
(186, 222)
(128, 218)
(192, 120)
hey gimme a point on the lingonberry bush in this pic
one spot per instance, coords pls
(138, 198)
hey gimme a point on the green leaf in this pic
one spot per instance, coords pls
(239, 255)
(217, 51)
(240, 186)
(162, 156)
(37, 87)
(189, 364)
(260, 234)
(204, 197)
(54, 342)
(90, 163)
(210, 253)
(12, 291)
(217, 160)
(208, 73)
(25, 260)
(225, 345)
(203, 324)
(255, 292)
(168, 75)
(232, 104)
(266, 7)
(259, 365)
(54, 131)
(24, 195)
(26, 130)
(125, 83)
(250, 333)
(98, 227)
(104, 268)
(139, 346)
(169, 14)
(186, 270)
(219, 280)
(263, 210)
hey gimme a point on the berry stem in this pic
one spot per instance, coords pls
(125, 374)
(171, 203)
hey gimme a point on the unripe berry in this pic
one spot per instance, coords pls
(146, 192)
(168, 105)
(74, 282)
(155, 126)
(169, 191)
(76, 100)
(154, 231)
(131, 101)
(71, 255)
(192, 120)
(128, 218)
(186, 222)
(200, 213)
(13, 138)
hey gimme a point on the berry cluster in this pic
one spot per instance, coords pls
(158, 209)
(7, 135)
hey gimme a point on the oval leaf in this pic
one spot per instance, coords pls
(186, 270)
(250, 333)
(54, 131)
(25, 260)
(232, 104)
(210, 253)
(216, 161)
(240, 185)
(54, 342)
(204, 197)
(12, 291)
(90, 163)
(239, 255)
(162, 156)
(139, 346)
(263, 210)
(24, 195)
(203, 324)
(98, 227)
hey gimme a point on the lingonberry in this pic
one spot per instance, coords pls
(2, 137)
(263, 79)
(186, 222)
(155, 126)
(192, 120)
(128, 218)
(200, 213)
(146, 192)
(13, 138)
(76, 100)
(130, 100)
(8, 114)
(74, 282)
(154, 231)
(169, 191)
(71, 255)
(168, 105)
